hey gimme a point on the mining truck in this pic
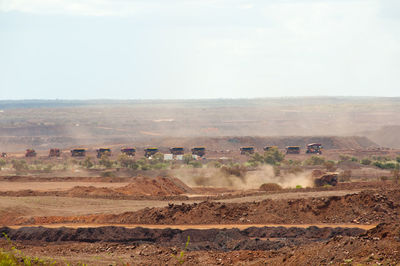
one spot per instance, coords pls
(128, 151)
(103, 152)
(292, 150)
(148, 152)
(247, 150)
(78, 152)
(54, 152)
(177, 150)
(325, 178)
(30, 153)
(314, 148)
(3, 155)
(268, 148)
(199, 151)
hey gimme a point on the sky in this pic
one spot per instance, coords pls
(184, 49)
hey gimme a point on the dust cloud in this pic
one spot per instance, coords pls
(214, 177)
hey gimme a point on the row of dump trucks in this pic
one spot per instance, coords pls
(312, 148)
(81, 152)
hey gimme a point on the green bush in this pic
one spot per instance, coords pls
(157, 158)
(315, 160)
(187, 158)
(19, 165)
(196, 164)
(381, 158)
(354, 159)
(2, 163)
(128, 162)
(108, 174)
(386, 165)
(272, 157)
(15, 257)
(106, 162)
(159, 166)
(366, 161)
(398, 159)
(344, 158)
(87, 163)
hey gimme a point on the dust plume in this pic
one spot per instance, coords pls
(214, 177)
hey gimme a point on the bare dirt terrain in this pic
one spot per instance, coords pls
(287, 227)
(230, 209)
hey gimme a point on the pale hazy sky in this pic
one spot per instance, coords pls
(141, 49)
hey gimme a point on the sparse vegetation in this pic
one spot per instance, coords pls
(315, 160)
(366, 161)
(15, 257)
(19, 165)
(87, 163)
(2, 163)
(181, 258)
(386, 165)
(272, 157)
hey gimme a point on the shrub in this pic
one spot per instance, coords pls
(159, 166)
(196, 164)
(106, 162)
(315, 160)
(344, 158)
(354, 159)
(187, 158)
(366, 161)
(108, 174)
(157, 158)
(272, 156)
(398, 159)
(127, 162)
(386, 165)
(87, 163)
(16, 257)
(381, 158)
(299, 186)
(19, 165)
(2, 163)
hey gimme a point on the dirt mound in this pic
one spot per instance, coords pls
(385, 230)
(365, 207)
(139, 187)
(270, 187)
(265, 238)
(378, 246)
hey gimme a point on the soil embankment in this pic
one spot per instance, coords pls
(365, 208)
(265, 238)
